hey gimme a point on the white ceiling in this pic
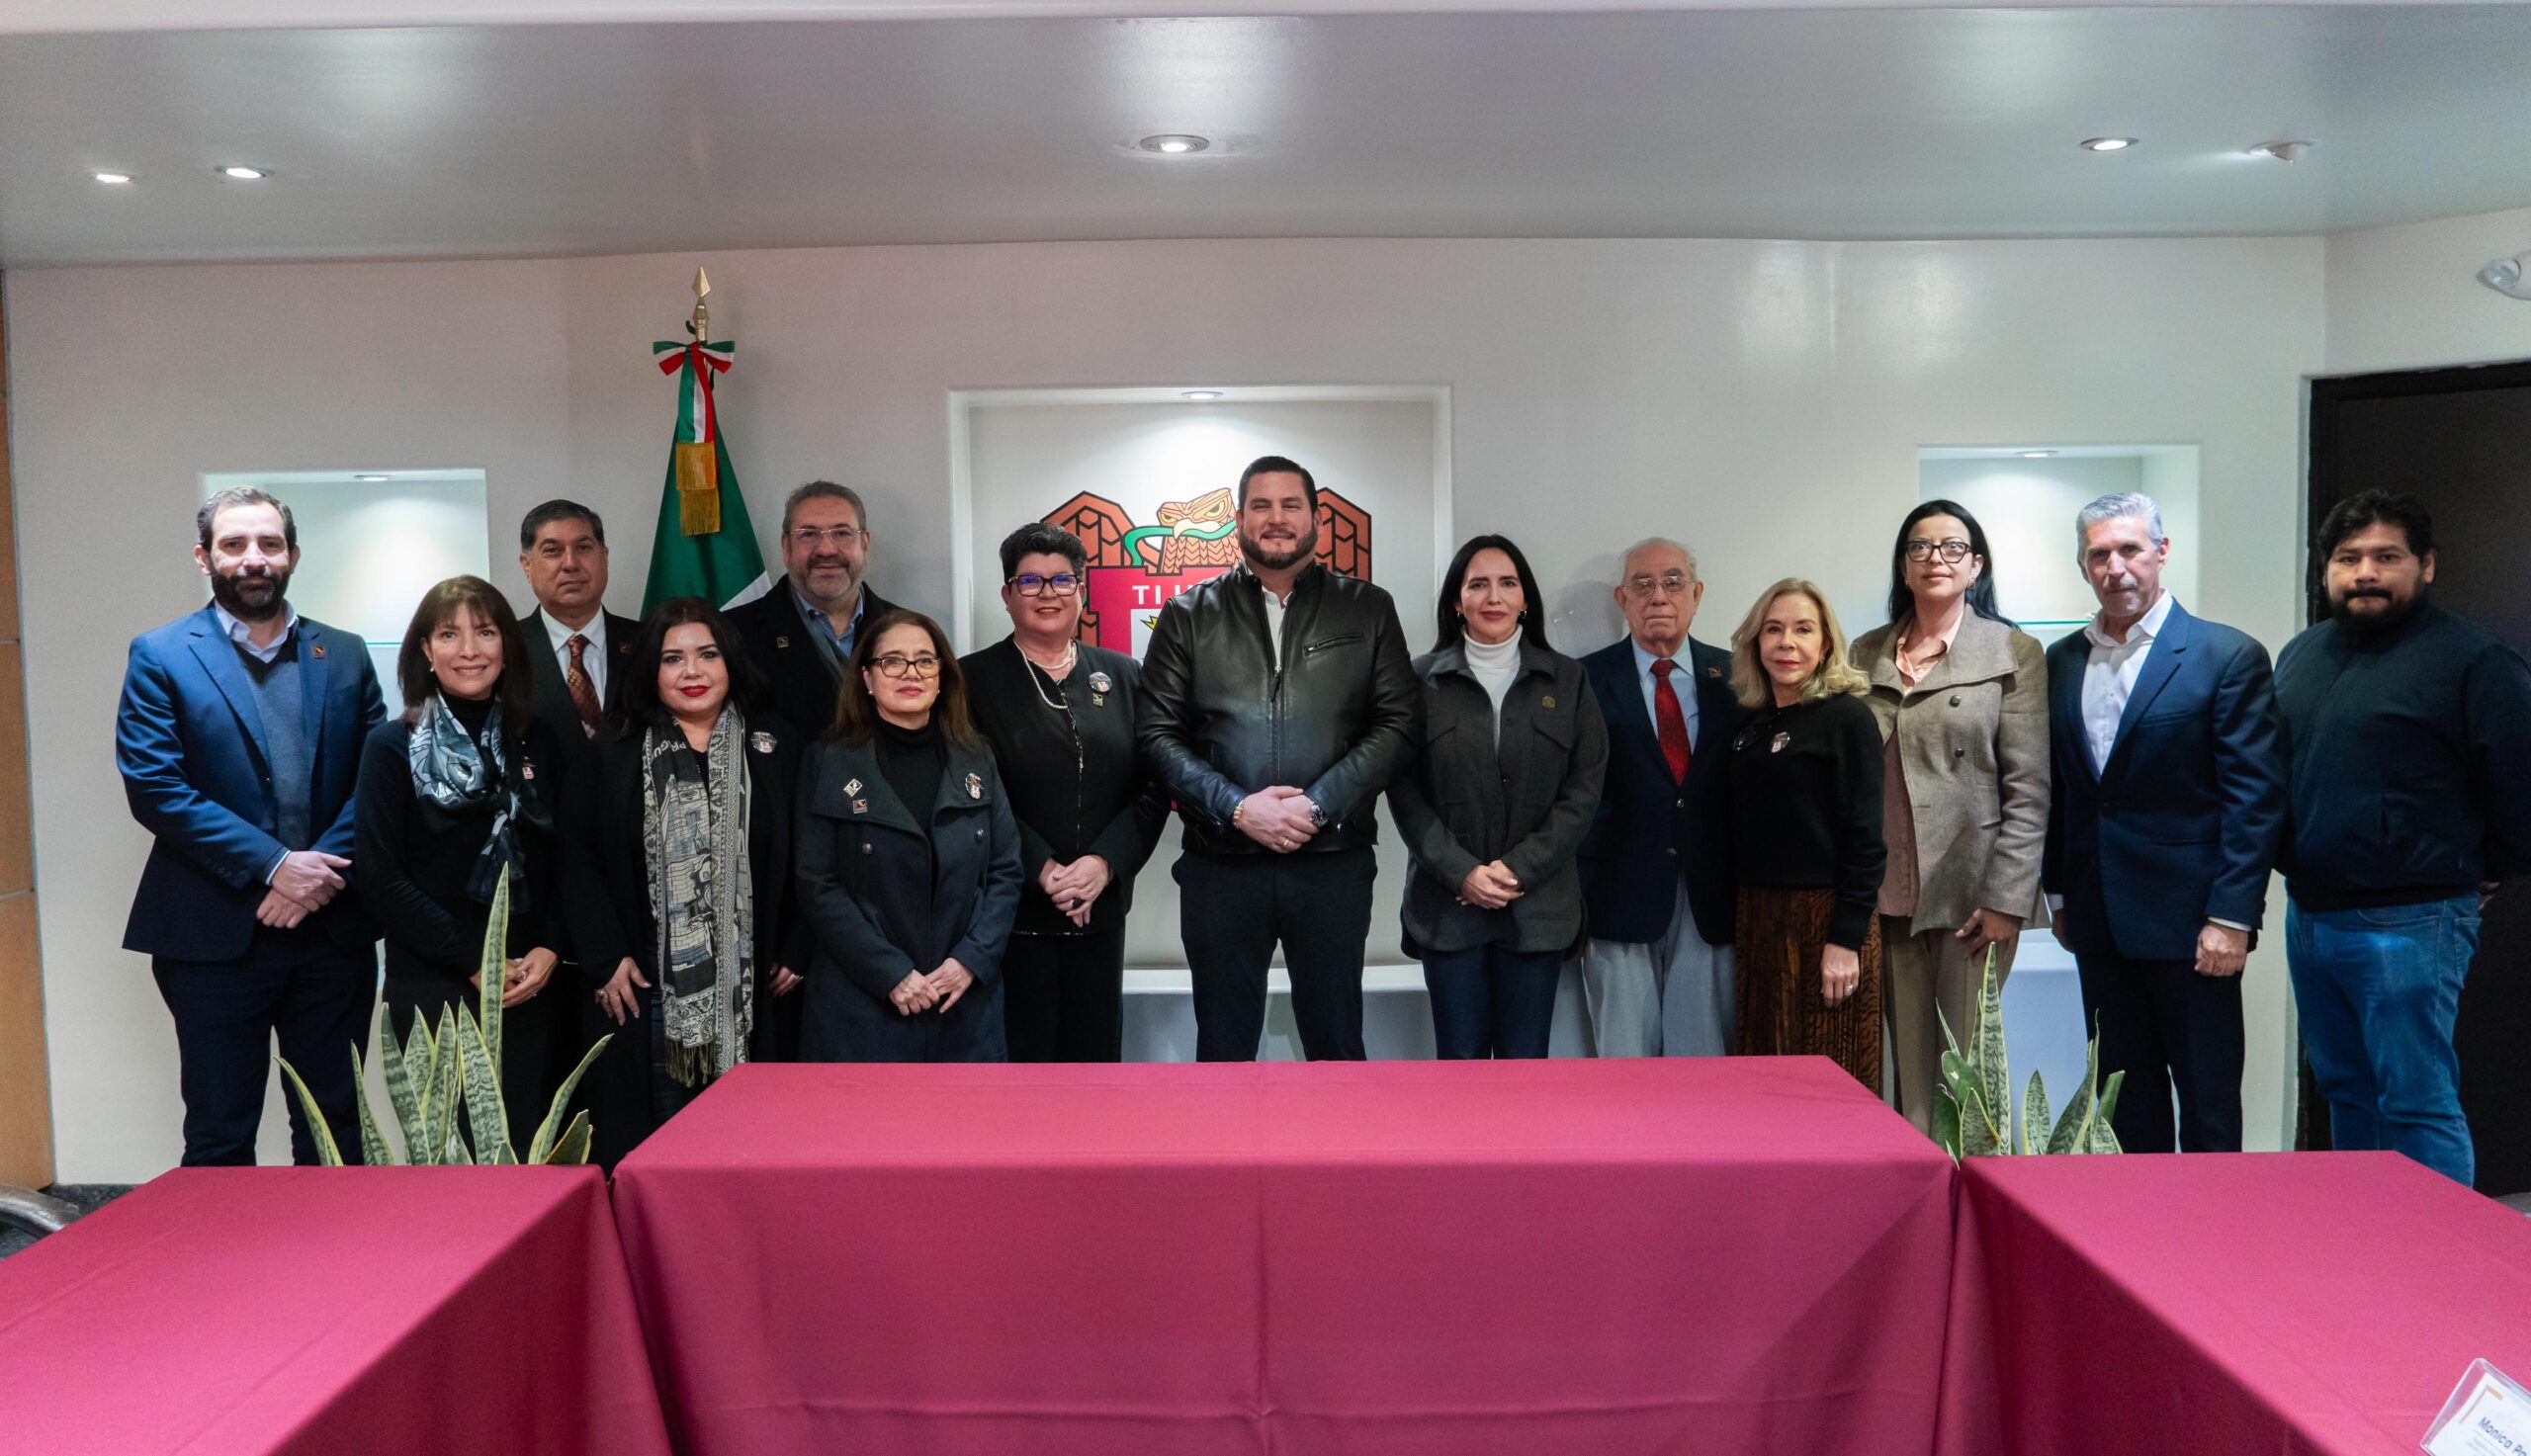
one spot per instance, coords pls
(1815, 123)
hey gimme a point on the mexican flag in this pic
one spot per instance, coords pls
(704, 547)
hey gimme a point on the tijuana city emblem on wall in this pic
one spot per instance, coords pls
(1135, 569)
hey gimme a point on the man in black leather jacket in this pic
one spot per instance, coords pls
(1277, 702)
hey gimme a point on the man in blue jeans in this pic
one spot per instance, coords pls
(2409, 738)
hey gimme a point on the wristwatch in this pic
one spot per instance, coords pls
(1317, 814)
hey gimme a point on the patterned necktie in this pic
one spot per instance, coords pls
(1671, 724)
(583, 692)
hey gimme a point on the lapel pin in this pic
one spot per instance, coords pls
(1547, 702)
(782, 641)
(861, 806)
(526, 771)
(975, 787)
(317, 651)
(1778, 745)
(851, 787)
(1101, 683)
(1714, 673)
(764, 742)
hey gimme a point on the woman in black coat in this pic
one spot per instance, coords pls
(687, 791)
(1059, 716)
(907, 860)
(1493, 810)
(459, 790)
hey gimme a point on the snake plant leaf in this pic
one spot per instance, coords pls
(1946, 1130)
(2035, 1122)
(373, 1144)
(1993, 1069)
(2104, 1137)
(541, 1148)
(2074, 1130)
(573, 1149)
(440, 1124)
(493, 967)
(403, 1091)
(485, 1109)
(327, 1154)
(1980, 1136)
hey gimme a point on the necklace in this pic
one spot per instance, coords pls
(1057, 673)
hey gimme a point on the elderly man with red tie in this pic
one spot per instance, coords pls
(1656, 867)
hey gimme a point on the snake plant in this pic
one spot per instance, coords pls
(1974, 1107)
(445, 1083)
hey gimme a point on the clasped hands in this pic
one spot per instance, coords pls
(1075, 887)
(527, 976)
(937, 992)
(1278, 818)
(303, 883)
(1489, 887)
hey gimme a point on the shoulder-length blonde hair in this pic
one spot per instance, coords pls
(1836, 672)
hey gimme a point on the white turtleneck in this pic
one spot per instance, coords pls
(1494, 667)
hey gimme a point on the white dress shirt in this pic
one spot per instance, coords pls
(1682, 685)
(593, 656)
(243, 634)
(2109, 678)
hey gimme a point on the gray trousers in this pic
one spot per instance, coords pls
(1920, 975)
(1669, 997)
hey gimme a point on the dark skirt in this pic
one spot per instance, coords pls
(1776, 945)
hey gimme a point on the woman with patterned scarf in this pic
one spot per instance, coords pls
(454, 793)
(677, 873)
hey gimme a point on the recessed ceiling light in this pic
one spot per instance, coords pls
(236, 173)
(2034, 453)
(113, 179)
(1201, 393)
(373, 479)
(2109, 143)
(1175, 144)
(2282, 151)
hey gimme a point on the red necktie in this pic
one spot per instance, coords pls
(1669, 721)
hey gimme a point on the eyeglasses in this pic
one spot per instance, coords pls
(1668, 583)
(1953, 551)
(809, 538)
(1062, 584)
(897, 665)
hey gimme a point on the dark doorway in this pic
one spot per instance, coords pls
(2460, 439)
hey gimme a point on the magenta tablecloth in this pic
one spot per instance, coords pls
(1602, 1258)
(330, 1312)
(2280, 1303)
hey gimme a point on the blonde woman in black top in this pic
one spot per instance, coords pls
(1805, 811)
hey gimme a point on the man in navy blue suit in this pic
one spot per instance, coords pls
(1656, 866)
(240, 738)
(2169, 794)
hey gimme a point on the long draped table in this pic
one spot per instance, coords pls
(1686, 1256)
(389, 1311)
(2288, 1304)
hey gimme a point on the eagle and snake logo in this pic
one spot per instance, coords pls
(1135, 569)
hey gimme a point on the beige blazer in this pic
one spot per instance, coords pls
(1972, 741)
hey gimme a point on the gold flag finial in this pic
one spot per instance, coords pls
(701, 323)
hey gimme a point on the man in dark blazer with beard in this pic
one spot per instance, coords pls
(801, 634)
(1657, 882)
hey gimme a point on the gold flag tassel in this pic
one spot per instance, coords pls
(698, 488)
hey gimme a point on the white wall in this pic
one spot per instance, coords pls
(2410, 298)
(1765, 401)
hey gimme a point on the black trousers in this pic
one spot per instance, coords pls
(296, 988)
(526, 1033)
(1063, 996)
(2167, 1027)
(1492, 1000)
(1233, 910)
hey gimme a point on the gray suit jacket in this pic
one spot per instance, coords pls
(1972, 743)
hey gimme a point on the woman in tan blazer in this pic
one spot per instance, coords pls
(1962, 699)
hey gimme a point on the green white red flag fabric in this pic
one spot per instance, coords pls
(704, 546)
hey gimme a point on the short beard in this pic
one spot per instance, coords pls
(1260, 558)
(225, 591)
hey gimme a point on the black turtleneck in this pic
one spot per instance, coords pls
(913, 761)
(469, 713)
